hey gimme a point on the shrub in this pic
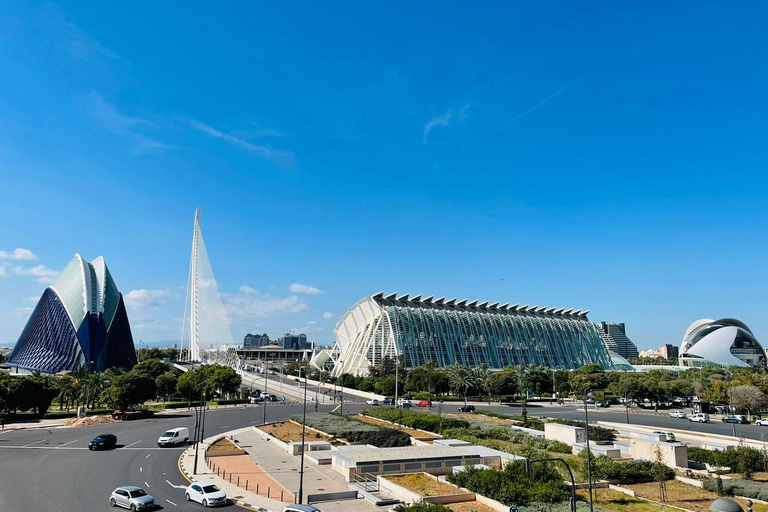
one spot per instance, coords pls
(418, 420)
(334, 424)
(422, 507)
(595, 433)
(742, 459)
(497, 437)
(71, 414)
(739, 487)
(383, 438)
(230, 402)
(513, 486)
(626, 471)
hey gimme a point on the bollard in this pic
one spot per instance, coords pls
(238, 481)
(268, 488)
(225, 474)
(246, 485)
(257, 488)
(230, 478)
(281, 495)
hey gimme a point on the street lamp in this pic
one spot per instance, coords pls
(201, 429)
(586, 432)
(341, 383)
(303, 431)
(266, 371)
(730, 401)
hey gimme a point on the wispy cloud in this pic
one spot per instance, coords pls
(122, 124)
(443, 120)
(4, 271)
(251, 304)
(43, 274)
(305, 289)
(18, 254)
(140, 299)
(327, 315)
(279, 157)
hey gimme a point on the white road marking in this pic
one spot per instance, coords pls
(65, 444)
(225, 426)
(172, 503)
(30, 444)
(141, 470)
(177, 486)
(145, 483)
(137, 442)
(147, 455)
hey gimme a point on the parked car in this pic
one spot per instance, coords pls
(678, 414)
(763, 422)
(668, 436)
(205, 493)
(602, 404)
(300, 508)
(467, 408)
(256, 392)
(424, 403)
(387, 401)
(255, 399)
(699, 417)
(103, 441)
(735, 418)
(401, 402)
(173, 437)
(131, 497)
(372, 401)
(273, 398)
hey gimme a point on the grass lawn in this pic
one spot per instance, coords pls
(288, 431)
(425, 485)
(381, 423)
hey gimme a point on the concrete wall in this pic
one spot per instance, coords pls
(672, 454)
(564, 433)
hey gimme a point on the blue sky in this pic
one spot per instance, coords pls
(597, 155)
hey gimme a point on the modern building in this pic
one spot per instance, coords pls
(470, 333)
(255, 340)
(669, 351)
(80, 319)
(651, 353)
(294, 341)
(268, 353)
(616, 340)
(725, 342)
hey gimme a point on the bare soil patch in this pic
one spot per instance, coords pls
(481, 418)
(382, 423)
(101, 419)
(686, 496)
(223, 445)
(470, 506)
(424, 485)
(287, 431)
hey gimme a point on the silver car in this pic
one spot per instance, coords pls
(132, 497)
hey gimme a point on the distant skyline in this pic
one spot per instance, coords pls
(601, 156)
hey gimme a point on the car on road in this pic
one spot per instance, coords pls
(668, 436)
(403, 403)
(173, 437)
(273, 398)
(467, 408)
(602, 404)
(763, 422)
(678, 414)
(103, 441)
(424, 403)
(735, 418)
(205, 493)
(372, 401)
(699, 417)
(132, 498)
(256, 399)
(386, 401)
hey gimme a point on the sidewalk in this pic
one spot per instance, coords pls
(30, 424)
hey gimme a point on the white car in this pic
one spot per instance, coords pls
(131, 497)
(668, 436)
(699, 417)
(403, 401)
(762, 422)
(372, 401)
(205, 493)
(678, 414)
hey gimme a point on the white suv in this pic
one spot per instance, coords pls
(678, 414)
(699, 417)
(763, 422)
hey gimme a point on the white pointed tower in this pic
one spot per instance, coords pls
(208, 326)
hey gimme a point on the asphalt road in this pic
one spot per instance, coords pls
(53, 470)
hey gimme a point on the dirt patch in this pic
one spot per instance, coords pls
(685, 496)
(89, 421)
(425, 485)
(223, 445)
(381, 423)
(287, 431)
(481, 418)
(470, 506)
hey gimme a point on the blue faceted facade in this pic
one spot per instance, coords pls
(80, 319)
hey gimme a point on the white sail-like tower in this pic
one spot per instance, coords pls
(208, 326)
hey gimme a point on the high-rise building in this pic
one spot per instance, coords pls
(255, 340)
(669, 351)
(293, 341)
(79, 320)
(446, 332)
(615, 339)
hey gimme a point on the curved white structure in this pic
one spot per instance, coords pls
(725, 342)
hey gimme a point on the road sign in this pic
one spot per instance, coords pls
(598, 395)
(431, 389)
(513, 509)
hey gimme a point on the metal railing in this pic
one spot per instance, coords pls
(367, 481)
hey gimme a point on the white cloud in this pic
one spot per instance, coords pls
(31, 299)
(122, 124)
(22, 311)
(252, 304)
(247, 289)
(443, 120)
(18, 254)
(3, 271)
(43, 274)
(311, 322)
(327, 315)
(140, 299)
(281, 158)
(305, 289)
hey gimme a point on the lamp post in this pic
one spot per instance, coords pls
(303, 445)
(201, 429)
(730, 401)
(589, 462)
(266, 372)
(341, 383)
(397, 374)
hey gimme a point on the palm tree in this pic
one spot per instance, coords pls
(481, 376)
(65, 385)
(461, 379)
(97, 383)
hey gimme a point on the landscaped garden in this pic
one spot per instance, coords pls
(425, 485)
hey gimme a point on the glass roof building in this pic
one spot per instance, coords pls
(469, 333)
(80, 319)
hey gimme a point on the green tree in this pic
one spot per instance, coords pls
(503, 382)
(130, 389)
(461, 379)
(152, 368)
(224, 379)
(166, 384)
(716, 391)
(590, 376)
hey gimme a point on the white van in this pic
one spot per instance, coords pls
(174, 437)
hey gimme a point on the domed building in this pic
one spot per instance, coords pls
(726, 342)
(80, 319)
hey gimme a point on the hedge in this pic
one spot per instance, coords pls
(739, 487)
(73, 413)
(417, 420)
(383, 438)
(497, 437)
(595, 433)
(230, 402)
(334, 424)
(513, 485)
(741, 459)
(422, 507)
(626, 471)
